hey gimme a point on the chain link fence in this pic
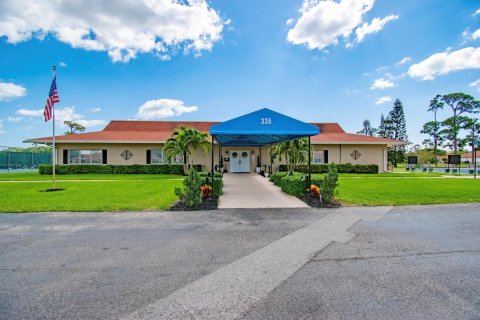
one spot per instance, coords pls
(15, 161)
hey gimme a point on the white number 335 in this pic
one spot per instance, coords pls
(265, 120)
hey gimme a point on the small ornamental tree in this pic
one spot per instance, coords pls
(329, 184)
(191, 195)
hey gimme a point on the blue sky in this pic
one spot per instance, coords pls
(323, 61)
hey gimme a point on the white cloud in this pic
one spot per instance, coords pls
(374, 26)
(123, 29)
(475, 35)
(384, 99)
(404, 61)
(290, 21)
(30, 112)
(446, 62)
(163, 108)
(476, 13)
(62, 64)
(382, 84)
(324, 23)
(24, 128)
(14, 119)
(63, 114)
(94, 110)
(475, 84)
(9, 91)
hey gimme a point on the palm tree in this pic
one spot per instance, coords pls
(295, 152)
(184, 141)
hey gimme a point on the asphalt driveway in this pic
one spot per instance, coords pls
(402, 263)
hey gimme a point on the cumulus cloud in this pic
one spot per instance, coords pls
(384, 99)
(62, 64)
(382, 84)
(446, 62)
(10, 91)
(163, 108)
(475, 84)
(476, 13)
(63, 114)
(30, 112)
(322, 23)
(94, 110)
(375, 26)
(14, 119)
(122, 28)
(404, 61)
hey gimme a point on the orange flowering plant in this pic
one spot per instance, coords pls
(206, 191)
(314, 191)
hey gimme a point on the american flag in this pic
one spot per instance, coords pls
(51, 100)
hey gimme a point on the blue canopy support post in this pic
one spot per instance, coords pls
(213, 171)
(309, 182)
(220, 162)
(270, 170)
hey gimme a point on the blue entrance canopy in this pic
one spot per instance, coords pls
(260, 128)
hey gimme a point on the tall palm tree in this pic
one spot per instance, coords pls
(184, 141)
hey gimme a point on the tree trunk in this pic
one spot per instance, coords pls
(455, 132)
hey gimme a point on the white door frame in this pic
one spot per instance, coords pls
(240, 163)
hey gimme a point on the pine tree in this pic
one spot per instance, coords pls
(367, 129)
(397, 130)
(381, 128)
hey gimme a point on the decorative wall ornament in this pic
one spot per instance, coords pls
(126, 154)
(234, 155)
(355, 154)
(244, 154)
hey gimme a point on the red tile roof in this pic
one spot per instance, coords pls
(159, 131)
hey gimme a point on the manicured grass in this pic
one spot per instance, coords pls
(374, 191)
(35, 176)
(115, 195)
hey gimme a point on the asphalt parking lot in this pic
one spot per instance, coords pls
(413, 263)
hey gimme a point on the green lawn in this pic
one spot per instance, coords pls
(35, 176)
(375, 190)
(120, 194)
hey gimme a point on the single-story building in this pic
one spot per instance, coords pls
(126, 142)
(468, 157)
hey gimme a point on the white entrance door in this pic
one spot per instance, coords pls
(240, 161)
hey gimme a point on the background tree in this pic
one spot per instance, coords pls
(367, 129)
(449, 131)
(184, 141)
(431, 129)
(473, 128)
(435, 105)
(459, 103)
(381, 132)
(396, 129)
(73, 127)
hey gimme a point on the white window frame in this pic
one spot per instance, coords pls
(80, 156)
(322, 157)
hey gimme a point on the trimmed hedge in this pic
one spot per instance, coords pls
(207, 174)
(342, 168)
(294, 184)
(114, 169)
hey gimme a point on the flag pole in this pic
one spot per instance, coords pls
(54, 151)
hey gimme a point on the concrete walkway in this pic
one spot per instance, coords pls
(250, 190)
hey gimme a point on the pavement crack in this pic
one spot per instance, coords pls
(398, 255)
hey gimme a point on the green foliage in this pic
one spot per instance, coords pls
(294, 184)
(295, 152)
(367, 129)
(114, 169)
(73, 127)
(191, 195)
(218, 184)
(206, 174)
(184, 141)
(329, 184)
(395, 126)
(342, 168)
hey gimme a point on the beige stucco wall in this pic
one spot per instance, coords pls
(370, 154)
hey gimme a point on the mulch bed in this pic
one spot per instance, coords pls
(316, 203)
(207, 204)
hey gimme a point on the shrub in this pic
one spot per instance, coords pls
(218, 185)
(329, 183)
(206, 191)
(207, 174)
(191, 194)
(342, 168)
(294, 185)
(276, 177)
(45, 169)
